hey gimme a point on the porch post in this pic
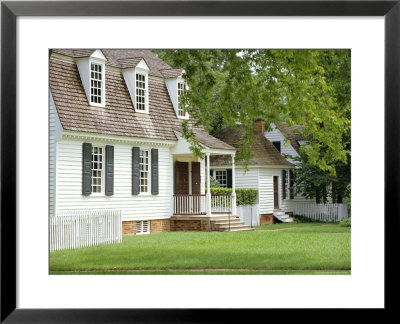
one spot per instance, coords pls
(208, 197)
(233, 186)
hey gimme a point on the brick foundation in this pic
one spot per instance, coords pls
(266, 219)
(129, 228)
(160, 225)
(190, 225)
(156, 226)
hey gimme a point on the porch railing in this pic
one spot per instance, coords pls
(197, 204)
(221, 204)
(190, 204)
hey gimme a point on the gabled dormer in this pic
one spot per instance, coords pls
(176, 87)
(93, 75)
(136, 75)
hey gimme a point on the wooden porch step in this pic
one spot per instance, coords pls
(236, 229)
(226, 221)
(233, 227)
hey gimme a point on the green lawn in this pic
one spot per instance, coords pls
(273, 249)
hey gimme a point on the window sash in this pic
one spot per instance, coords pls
(221, 177)
(144, 171)
(96, 83)
(140, 91)
(181, 89)
(97, 184)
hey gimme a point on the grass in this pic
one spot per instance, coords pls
(273, 249)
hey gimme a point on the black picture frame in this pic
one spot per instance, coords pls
(9, 13)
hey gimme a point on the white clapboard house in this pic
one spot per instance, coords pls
(268, 172)
(288, 141)
(116, 144)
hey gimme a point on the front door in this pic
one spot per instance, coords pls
(276, 193)
(181, 178)
(196, 178)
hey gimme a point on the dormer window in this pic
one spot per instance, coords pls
(96, 83)
(92, 71)
(181, 90)
(176, 88)
(136, 75)
(141, 92)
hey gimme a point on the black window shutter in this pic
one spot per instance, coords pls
(283, 184)
(229, 178)
(135, 170)
(291, 181)
(86, 169)
(211, 172)
(109, 170)
(154, 171)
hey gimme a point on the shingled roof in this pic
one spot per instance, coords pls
(118, 117)
(116, 58)
(294, 134)
(264, 152)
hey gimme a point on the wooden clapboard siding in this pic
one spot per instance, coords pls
(55, 131)
(266, 190)
(134, 207)
(276, 135)
(248, 180)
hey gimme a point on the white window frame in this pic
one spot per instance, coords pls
(186, 114)
(140, 225)
(146, 90)
(103, 83)
(181, 110)
(226, 177)
(148, 171)
(101, 193)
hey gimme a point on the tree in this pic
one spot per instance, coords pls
(307, 87)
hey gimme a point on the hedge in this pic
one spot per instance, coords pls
(243, 196)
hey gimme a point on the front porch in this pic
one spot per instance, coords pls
(188, 205)
(192, 194)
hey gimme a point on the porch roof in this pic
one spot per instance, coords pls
(213, 145)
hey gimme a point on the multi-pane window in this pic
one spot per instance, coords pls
(97, 168)
(142, 227)
(144, 171)
(96, 83)
(220, 176)
(181, 89)
(140, 92)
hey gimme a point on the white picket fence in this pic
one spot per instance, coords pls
(78, 228)
(321, 212)
(248, 214)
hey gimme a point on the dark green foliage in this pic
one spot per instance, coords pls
(303, 219)
(213, 183)
(243, 196)
(306, 87)
(314, 182)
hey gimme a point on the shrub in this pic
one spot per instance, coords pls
(346, 222)
(214, 183)
(243, 196)
(303, 219)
